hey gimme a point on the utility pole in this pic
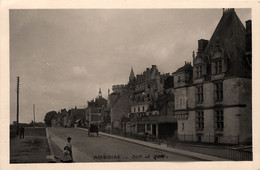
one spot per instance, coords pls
(34, 114)
(17, 91)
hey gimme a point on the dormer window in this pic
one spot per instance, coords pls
(179, 78)
(218, 66)
(199, 71)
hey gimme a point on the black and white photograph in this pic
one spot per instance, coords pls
(130, 85)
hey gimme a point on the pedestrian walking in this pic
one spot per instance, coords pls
(68, 144)
(21, 132)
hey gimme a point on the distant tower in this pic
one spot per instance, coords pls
(132, 75)
(99, 93)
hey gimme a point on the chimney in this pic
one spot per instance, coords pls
(153, 66)
(202, 44)
(248, 26)
(249, 39)
(228, 10)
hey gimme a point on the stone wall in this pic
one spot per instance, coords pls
(119, 106)
(236, 105)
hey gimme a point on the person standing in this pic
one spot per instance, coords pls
(66, 155)
(68, 144)
(21, 132)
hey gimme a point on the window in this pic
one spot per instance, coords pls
(199, 120)
(219, 91)
(179, 78)
(99, 110)
(198, 138)
(216, 139)
(199, 71)
(134, 109)
(199, 94)
(94, 118)
(218, 66)
(143, 108)
(140, 128)
(182, 126)
(138, 109)
(148, 127)
(219, 120)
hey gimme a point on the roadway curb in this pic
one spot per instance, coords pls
(165, 148)
(78, 156)
(50, 157)
(48, 139)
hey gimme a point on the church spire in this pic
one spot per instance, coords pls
(99, 93)
(132, 75)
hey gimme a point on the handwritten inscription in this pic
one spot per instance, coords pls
(132, 157)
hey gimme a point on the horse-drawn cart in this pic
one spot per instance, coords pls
(92, 129)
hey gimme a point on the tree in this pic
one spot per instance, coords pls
(48, 117)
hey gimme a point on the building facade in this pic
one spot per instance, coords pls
(206, 100)
(151, 111)
(213, 99)
(96, 110)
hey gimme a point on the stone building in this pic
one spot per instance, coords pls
(147, 85)
(152, 109)
(65, 117)
(95, 110)
(119, 104)
(208, 100)
(141, 105)
(213, 99)
(119, 89)
(77, 117)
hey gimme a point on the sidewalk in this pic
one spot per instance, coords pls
(164, 148)
(57, 144)
(31, 149)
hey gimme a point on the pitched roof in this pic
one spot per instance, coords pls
(229, 28)
(99, 102)
(78, 111)
(187, 67)
(230, 35)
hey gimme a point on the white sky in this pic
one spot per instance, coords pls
(63, 56)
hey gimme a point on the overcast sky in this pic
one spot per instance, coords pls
(64, 56)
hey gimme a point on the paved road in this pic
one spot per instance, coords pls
(109, 149)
